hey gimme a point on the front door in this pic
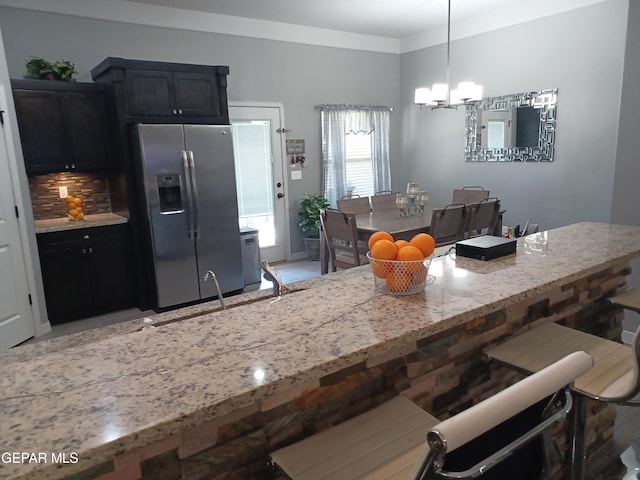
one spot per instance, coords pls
(259, 161)
(16, 318)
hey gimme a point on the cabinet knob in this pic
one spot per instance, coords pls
(174, 111)
(84, 251)
(179, 111)
(90, 250)
(86, 237)
(73, 165)
(66, 166)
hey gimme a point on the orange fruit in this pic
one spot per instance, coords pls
(409, 253)
(424, 242)
(375, 236)
(401, 243)
(381, 269)
(77, 201)
(384, 250)
(398, 281)
(70, 199)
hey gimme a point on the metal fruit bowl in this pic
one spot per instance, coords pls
(396, 277)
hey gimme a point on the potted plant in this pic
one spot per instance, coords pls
(43, 69)
(309, 223)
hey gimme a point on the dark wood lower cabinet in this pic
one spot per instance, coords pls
(86, 271)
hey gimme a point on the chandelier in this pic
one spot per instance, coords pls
(441, 95)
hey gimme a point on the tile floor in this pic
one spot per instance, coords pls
(623, 460)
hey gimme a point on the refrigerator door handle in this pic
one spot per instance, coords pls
(196, 202)
(187, 174)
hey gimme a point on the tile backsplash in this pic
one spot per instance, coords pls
(46, 201)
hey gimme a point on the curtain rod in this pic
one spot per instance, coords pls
(330, 106)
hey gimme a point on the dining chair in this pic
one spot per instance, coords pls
(483, 217)
(500, 437)
(469, 194)
(448, 224)
(341, 237)
(615, 377)
(383, 201)
(354, 204)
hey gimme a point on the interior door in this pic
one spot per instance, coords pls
(16, 318)
(259, 163)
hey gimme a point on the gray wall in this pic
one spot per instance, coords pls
(299, 76)
(626, 191)
(581, 54)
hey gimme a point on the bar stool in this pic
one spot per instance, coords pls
(388, 442)
(613, 379)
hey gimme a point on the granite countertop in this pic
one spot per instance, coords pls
(134, 388)
(96, 220)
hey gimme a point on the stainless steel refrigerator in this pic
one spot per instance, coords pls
(189, 186)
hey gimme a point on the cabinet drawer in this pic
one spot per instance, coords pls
(78, 237)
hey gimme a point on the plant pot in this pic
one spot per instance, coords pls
(312, 246)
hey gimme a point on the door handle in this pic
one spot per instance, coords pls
(187, 175)
(196, 202)
(280, 195)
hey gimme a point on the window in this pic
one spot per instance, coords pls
(355, 150)
(359, 167)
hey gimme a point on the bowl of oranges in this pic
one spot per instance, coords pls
(400, 267)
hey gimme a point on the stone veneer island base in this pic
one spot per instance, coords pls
(209, 397)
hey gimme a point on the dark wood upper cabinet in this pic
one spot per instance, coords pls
(63, 126)
(164, 92)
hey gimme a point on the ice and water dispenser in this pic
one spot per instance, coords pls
(250, 255)
(169, 193)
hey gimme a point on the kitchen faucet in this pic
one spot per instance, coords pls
(210, 274)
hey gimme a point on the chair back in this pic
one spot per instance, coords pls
(469, 194)
(354, 205)
(383, 201)
(341, 235)
(483, 217)
(448, 224)
(490, 437)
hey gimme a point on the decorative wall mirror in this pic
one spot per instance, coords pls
(519, 127)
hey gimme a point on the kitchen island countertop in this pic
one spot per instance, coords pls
(110, 396)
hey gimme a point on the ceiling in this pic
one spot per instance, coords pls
(391, 26)
(385, 18)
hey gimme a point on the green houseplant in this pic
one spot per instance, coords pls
(309, 223)
(43, 69)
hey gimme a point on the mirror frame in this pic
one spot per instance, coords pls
(544, 100)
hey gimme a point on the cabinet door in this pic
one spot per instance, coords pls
(42, 132)
(67, 286)
(197, 94)
(87, 127)
(112, 275)
(150, 92)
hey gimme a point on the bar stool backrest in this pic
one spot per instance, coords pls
(448, 224)
(462, 444)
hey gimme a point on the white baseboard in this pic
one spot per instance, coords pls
(627, 337)
(298, 256)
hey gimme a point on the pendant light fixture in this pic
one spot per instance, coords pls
(441, 95)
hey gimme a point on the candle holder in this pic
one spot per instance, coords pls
(412, 203)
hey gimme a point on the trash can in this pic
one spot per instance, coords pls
(250, 255)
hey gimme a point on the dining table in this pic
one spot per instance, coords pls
(400, 227)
